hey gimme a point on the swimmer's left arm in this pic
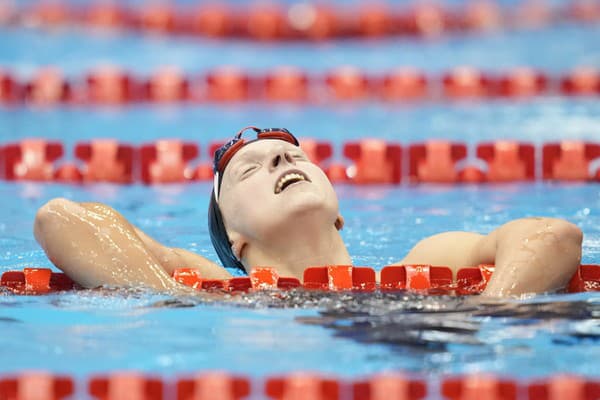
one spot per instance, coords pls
(532, 255)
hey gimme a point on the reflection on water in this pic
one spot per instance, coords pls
(422, 323)
(425, 323)
(342, 333)
(456, 334)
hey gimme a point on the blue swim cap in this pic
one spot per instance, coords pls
(220, 239)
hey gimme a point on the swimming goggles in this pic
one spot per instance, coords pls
(226, 152)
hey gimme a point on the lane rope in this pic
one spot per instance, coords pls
(210, 385)
(362, 162)
(301, 21)
(108, 85)
(425, 279)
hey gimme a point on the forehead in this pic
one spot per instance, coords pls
(258, 149)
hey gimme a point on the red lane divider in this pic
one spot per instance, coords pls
(375, 161)
(260, 278)
(35, 281)
(106, 16)
(229, 84)
(126, 386)
(581, 81)
(339, 277)
(11, 90)
(508, 161)
(389, 387)
(114, 86)
(348, 83)
(48, 86)
(435, 161)
(188, 276)
(433, 280)
(564, 387)
(479, 387)
(467, 82)
(106, 160)
(295, 385)
(167, 85)
(586, 279)
(36, 386)
(570, 160)
(305, 21)
(368, 161)
(110, 85)
(287, 84)
(404, 84)
(304, 386)
(523, 82)
(213, 385)
(473, 280)
(31, 159)
(167, 161)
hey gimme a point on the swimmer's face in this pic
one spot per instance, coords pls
(269, 183)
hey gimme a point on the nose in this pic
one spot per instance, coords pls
(281, 158)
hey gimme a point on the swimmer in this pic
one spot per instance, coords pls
(271, 206)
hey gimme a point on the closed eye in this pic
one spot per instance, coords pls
(248, 171)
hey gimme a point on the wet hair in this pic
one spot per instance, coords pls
(220, 239)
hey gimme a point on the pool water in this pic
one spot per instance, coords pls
(350, 335)
(90, 331)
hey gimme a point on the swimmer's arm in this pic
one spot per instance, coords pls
(532, 255)
(172, 258)
(451, 249)
(168, 257)
(94, 245)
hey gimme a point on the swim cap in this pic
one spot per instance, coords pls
(219, 237)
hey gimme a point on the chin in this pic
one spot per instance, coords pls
(302, 203)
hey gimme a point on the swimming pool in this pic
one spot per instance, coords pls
(86, 332)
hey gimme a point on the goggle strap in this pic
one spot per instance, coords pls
(285, 136)
(241, 131)
(216, 186)
(228, 154)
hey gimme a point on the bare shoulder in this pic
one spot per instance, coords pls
(453, 249)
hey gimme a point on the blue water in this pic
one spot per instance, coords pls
(76, 53)
(92, 331)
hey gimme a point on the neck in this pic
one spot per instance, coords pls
(293, 250)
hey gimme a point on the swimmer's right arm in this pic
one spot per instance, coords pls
(95, 245)
(172, 258)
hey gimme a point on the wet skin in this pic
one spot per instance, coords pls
(281, 210)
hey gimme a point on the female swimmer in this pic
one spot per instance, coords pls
(271, 206)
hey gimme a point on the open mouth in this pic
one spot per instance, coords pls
(289, 178)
